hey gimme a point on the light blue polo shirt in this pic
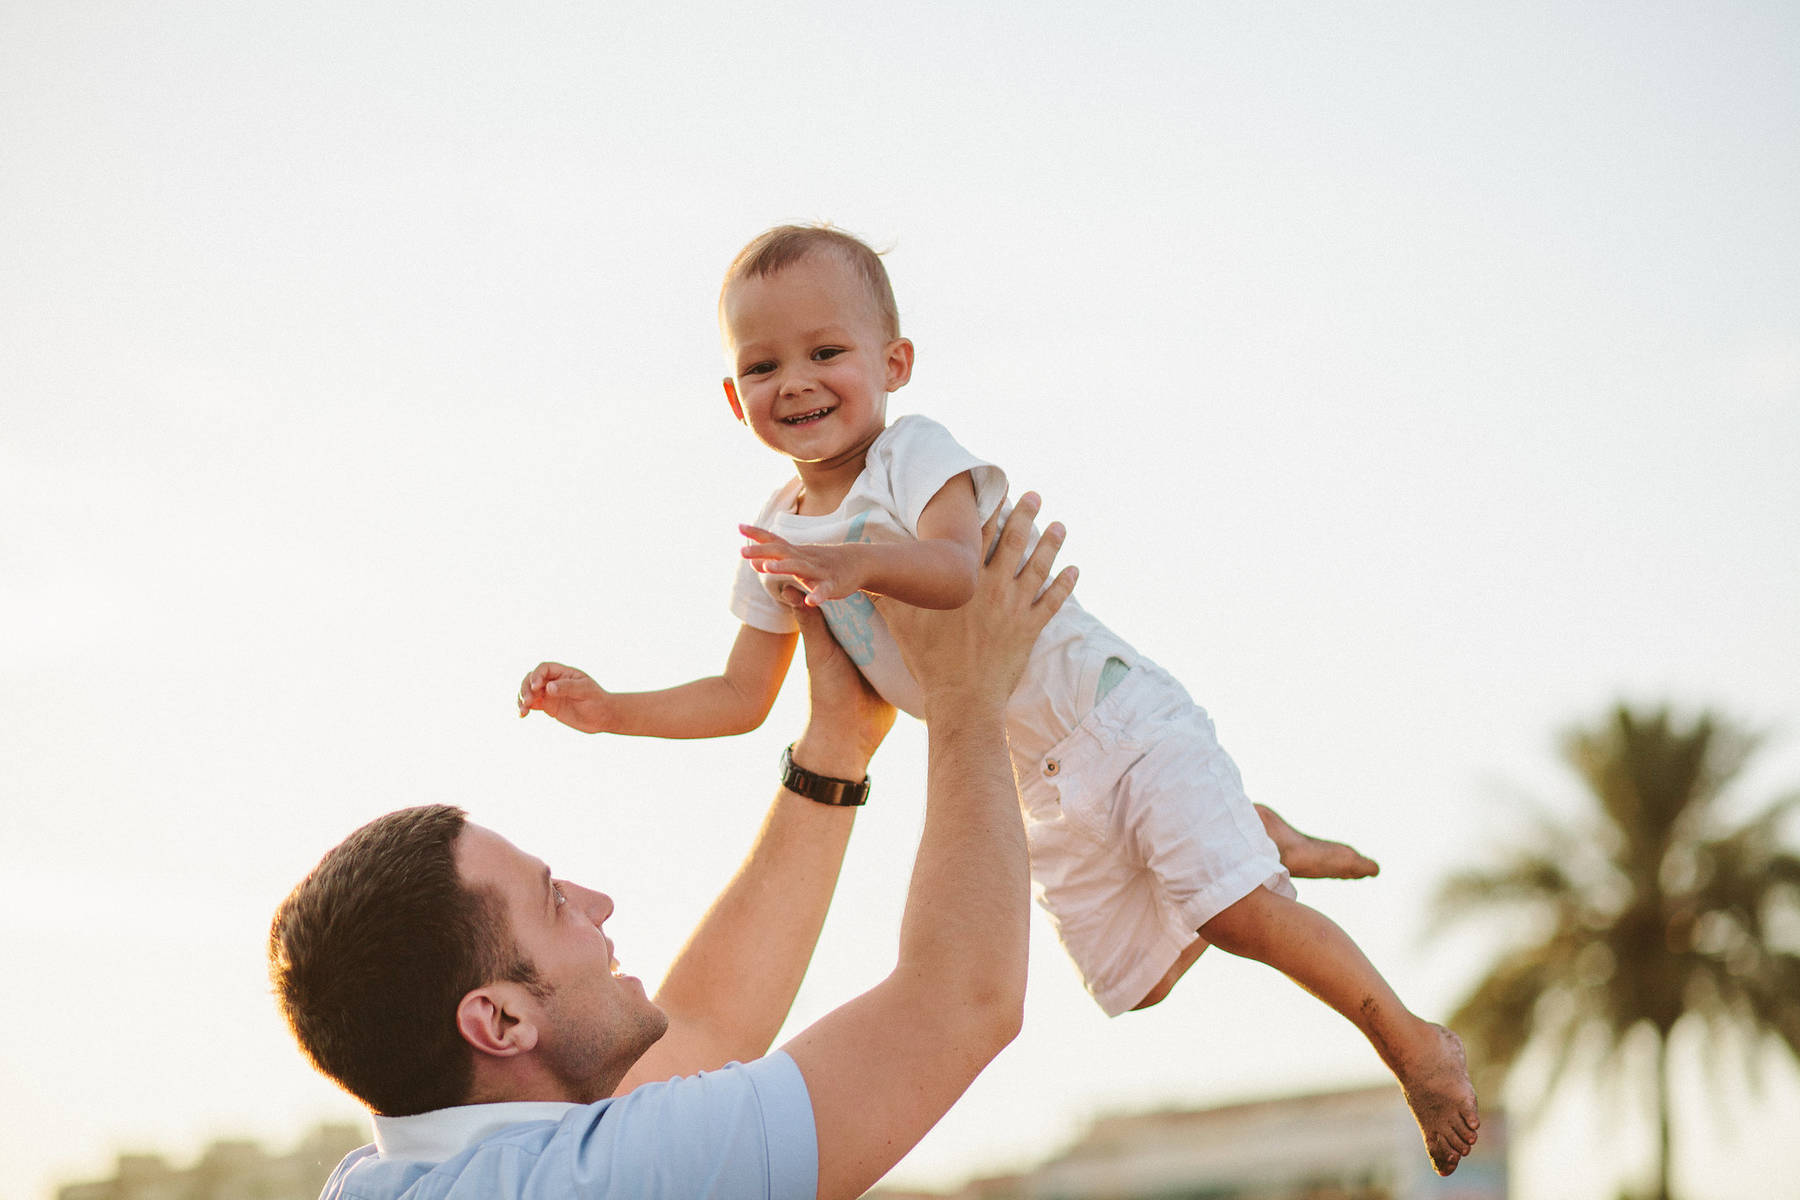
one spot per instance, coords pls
(740, 1131)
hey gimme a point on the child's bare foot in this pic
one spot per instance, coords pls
(1308, 857)
(1435, 1079)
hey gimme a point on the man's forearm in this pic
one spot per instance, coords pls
(731, 987)
(965, 925)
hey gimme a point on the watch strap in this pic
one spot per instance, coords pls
(841, 793)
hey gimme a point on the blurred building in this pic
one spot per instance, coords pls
(1353, 1145)
(228, 1170)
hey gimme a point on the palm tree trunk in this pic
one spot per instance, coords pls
(1662, 1117)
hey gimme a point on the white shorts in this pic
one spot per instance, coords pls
(1140, 832)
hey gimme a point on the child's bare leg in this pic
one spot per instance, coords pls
(1314, 952)
(1161, 991)
(1308, 857)
(1305, 857)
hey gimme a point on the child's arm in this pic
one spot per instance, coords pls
(936, 571)
(735, 701)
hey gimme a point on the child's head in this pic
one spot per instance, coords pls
(783, 246)
(812, 338)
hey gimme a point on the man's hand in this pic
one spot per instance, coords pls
(884, 1067)
(567, 694)
(980, 649)
(845, 714)
(827, 572)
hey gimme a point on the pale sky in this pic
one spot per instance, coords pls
(1414, 379)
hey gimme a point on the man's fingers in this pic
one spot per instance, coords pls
(1053, 596)
(990, 533)
(1017, 527)
(1036, 567)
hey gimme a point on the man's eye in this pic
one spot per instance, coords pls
(561, 899)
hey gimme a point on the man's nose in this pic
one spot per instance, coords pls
(599, 905)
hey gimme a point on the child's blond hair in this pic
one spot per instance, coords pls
(783, 246)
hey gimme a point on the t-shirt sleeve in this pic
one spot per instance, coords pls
(750, 599)
(918, 457)
(752, 604)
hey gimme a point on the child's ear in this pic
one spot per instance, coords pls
(899, 363)
(731, 397)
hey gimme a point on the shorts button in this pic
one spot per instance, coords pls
(1051, 767)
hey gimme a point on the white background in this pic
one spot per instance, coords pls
(1415, 380)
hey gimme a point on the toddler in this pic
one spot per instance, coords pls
(1144, 847)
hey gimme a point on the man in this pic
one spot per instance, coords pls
(471, 999)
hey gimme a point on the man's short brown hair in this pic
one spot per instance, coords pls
(372, 953)
(771, 251)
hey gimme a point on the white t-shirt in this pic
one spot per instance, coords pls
(906, 466)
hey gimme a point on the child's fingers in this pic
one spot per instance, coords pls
(757, 535)
(766, 550)
(799, 569)
(530, 688)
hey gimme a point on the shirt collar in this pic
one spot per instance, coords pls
(446, 1132)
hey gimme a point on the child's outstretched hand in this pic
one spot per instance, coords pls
(826, 572)
(567, 694)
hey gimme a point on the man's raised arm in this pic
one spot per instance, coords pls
(883, 1068)
(731, 987)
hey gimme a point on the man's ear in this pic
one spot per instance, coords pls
(494, 1020)
(899, 363)
(731, 396)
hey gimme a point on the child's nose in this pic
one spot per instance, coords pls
(795, 380)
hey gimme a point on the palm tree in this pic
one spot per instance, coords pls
(1652, 912)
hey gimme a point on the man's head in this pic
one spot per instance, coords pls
(812, 339)
(404, 964)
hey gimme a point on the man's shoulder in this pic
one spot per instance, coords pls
(739, 1120)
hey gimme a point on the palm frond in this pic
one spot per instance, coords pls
(1657, 917)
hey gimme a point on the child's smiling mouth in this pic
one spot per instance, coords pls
(807, 418)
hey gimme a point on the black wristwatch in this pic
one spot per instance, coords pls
(823, 788)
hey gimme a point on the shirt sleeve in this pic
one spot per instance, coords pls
(751, 602)
(917, 457)
(743, 1130)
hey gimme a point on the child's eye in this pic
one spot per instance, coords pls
(827, 353)
(761, 368)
